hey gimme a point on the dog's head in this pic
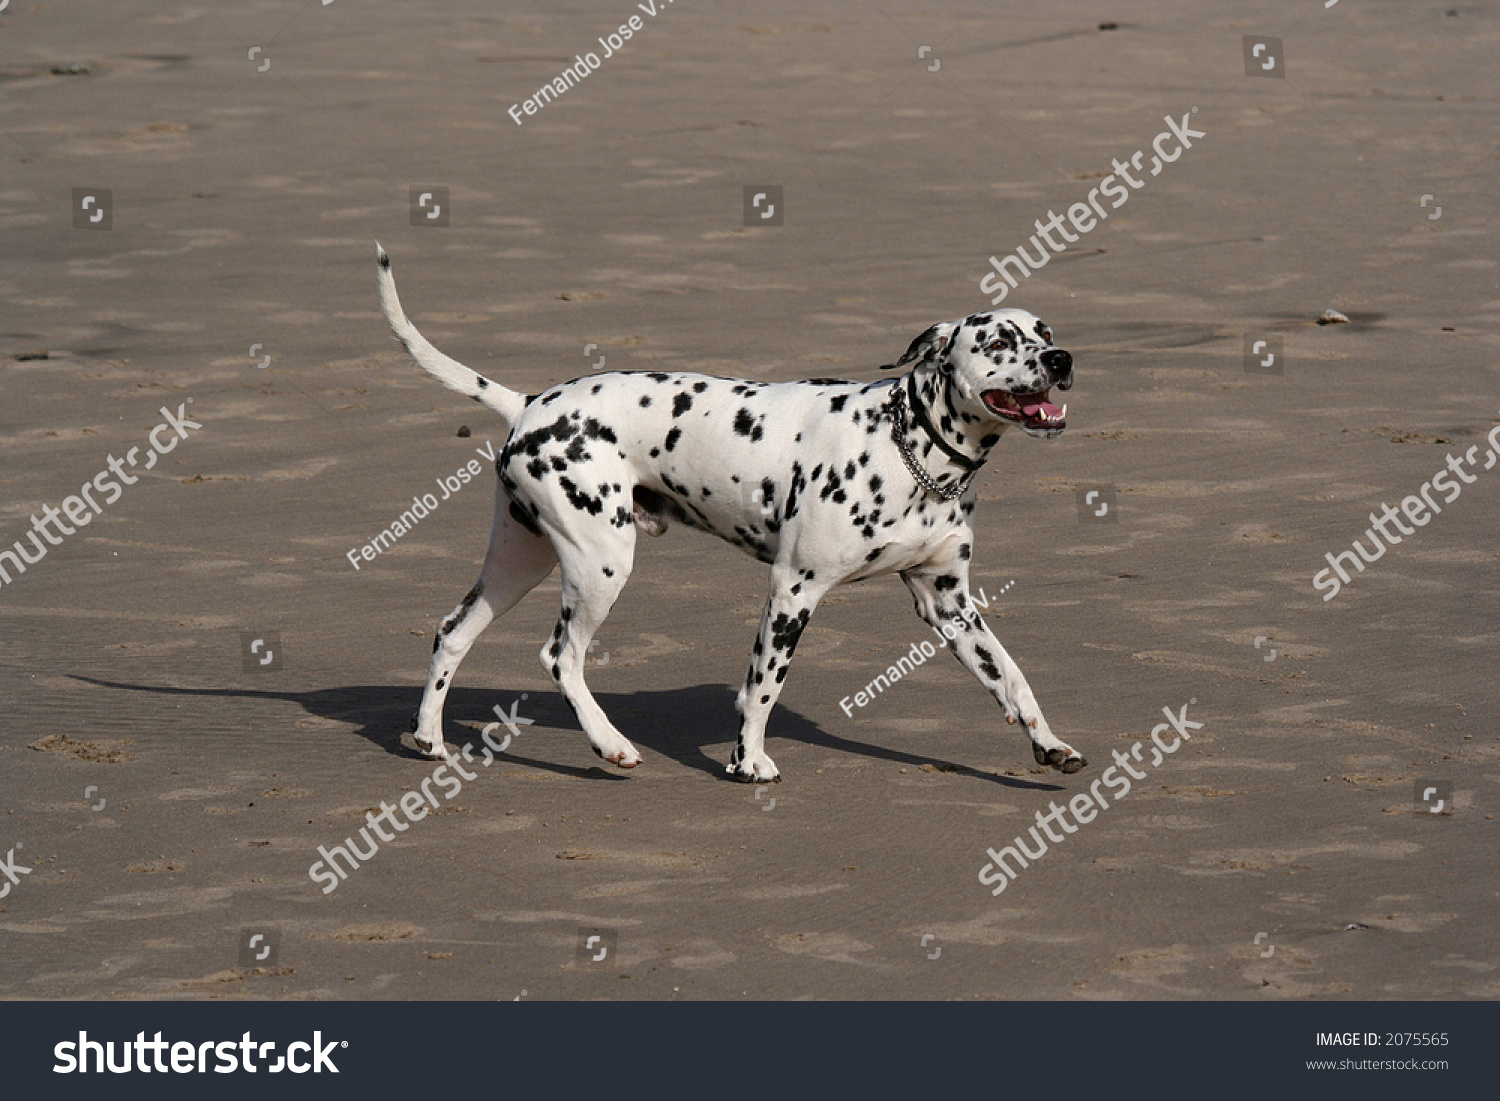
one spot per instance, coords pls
(1000, 366)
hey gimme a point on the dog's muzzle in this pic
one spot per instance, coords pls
(1034, 410)
(1060, 365)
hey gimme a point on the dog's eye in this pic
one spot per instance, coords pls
(996, 346)
(1047, 334)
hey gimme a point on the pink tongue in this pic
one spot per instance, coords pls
(1032, 405)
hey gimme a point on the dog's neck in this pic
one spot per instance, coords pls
(951, 445)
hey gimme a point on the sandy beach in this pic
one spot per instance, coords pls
(206, 682)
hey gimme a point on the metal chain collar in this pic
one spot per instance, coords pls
(925, 480)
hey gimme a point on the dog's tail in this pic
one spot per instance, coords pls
(451, 373)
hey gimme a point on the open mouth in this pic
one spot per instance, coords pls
(1027, 410)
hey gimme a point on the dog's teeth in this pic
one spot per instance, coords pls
(1064, 412)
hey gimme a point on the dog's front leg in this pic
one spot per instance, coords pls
(942, 598)
(794, 596)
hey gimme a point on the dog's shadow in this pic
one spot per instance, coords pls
(675, 722)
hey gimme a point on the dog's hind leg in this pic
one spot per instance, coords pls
(794, 596)
(596, 559)
(941, 592)
(517, 561)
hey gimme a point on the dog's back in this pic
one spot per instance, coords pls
(731, 457)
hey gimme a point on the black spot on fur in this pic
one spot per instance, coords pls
(786, 630)
(580, 500)
(596, 431)
(681, 404)
(672, 437)
(532, 442)
(521, 518)
(463, 607)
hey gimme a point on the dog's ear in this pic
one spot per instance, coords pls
(933, 344)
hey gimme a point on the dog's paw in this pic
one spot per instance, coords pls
(1064, 758)
(433, 751)
(624, 756)
(757, 770)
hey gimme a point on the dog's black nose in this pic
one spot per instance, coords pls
(1060, 363)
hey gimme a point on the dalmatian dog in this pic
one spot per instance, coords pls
(827, 481)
